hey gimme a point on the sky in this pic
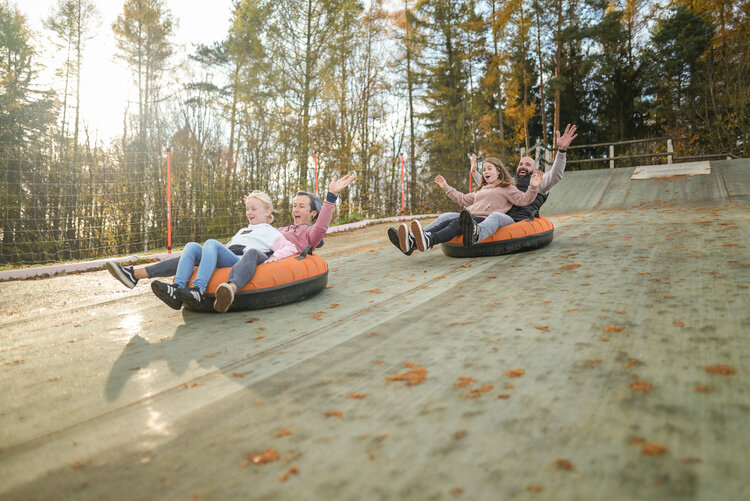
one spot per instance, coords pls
(106, 83)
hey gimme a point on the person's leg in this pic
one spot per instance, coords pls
(494, 221)
(244, 270)
(241, 273)
(215, 255)
(191, 255)
(428, 239)
(441, 222)
(449, 230)
(166, 268)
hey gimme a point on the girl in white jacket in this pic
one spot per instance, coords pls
(260, 238)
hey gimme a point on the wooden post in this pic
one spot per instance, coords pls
(670, 150)
(611, 154)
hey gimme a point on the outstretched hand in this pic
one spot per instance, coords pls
(473, 164)
(339, 184)
(564, 141)
(536, 178)
(440, 180)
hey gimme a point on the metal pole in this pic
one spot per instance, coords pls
(403, 191)
(169, 201)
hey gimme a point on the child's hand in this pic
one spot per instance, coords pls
(272, 259)
(339, 184)
(440, 180)
(473, 164)
(536, 178)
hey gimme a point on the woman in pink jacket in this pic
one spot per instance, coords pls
(496, 193)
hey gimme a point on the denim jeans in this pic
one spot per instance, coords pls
(213, 254)
(492, 223)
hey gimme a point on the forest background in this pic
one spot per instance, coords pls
(334, 86)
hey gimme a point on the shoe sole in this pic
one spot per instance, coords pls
(162, 294)
(416, 230)
(467, 228)
(403, 238)
(224, 298)
(114, 269)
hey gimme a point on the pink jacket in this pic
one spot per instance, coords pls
(487, 200)
(304, 235)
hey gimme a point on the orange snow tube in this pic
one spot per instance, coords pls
(274, 284)
(522, 236)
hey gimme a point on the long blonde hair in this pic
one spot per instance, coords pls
(503, 179)
(263, 198)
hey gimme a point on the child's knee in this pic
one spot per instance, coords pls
(212, 243)
(191, 247)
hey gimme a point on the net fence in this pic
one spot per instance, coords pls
(115, 204)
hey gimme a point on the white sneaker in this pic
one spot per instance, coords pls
(420, 239)
(224, 297)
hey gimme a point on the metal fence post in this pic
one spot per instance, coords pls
(670, 150)
(611, 154)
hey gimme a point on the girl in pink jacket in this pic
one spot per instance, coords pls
(496, 193)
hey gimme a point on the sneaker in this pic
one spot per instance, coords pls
(167, 293)
(421, 240)
(125, 274)
(224, 297)
(190, 295)
(469, 228)
(406, 241)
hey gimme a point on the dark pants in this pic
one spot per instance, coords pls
(447, 230)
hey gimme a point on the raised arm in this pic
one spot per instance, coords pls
(474, 171)
(521, 198)
(464, 199)
(320, 227)
(555, 174)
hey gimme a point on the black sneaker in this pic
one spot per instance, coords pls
(421, 240)
(190, 295)
(125, 274)
(167, 293)
(224, 297)
(469, 228)
(406, 242)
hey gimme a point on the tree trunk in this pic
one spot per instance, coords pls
(541, 78)
(501, 131)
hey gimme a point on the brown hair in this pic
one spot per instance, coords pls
(503, 179)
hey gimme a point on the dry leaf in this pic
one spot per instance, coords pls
(642, 386)
(291, 471)
(261, 458)
(478, 392)
(464, 381)
(724, 370)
